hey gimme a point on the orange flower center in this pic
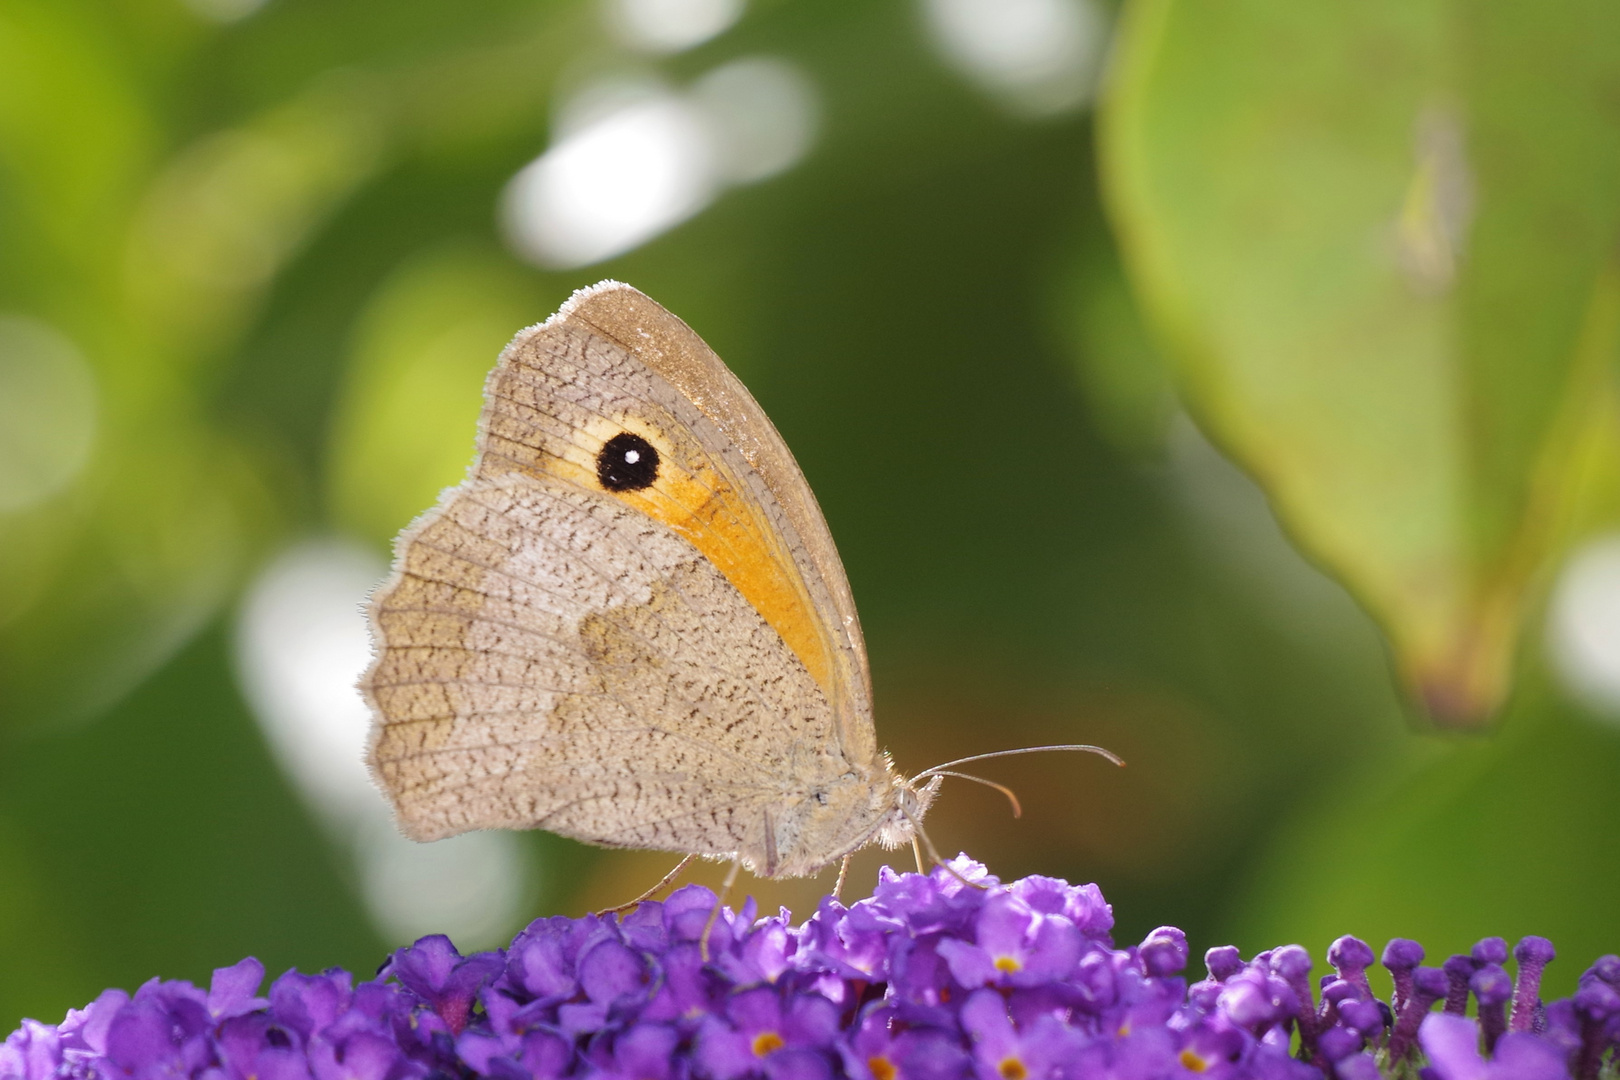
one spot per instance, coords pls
(1007, 964)
(1193, 1062)
(1012, 1069)
(882, 1068)
(765, 1042)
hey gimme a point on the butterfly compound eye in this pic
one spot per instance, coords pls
(627, 462)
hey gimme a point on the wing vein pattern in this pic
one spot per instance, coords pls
(673, 663)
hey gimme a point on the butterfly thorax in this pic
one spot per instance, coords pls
(822, 822)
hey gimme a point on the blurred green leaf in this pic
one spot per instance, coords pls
(226, 214)
(113, 577)
(158, 265)
(1449, 843)
(407, 416)
(1374, 237)
(34, 936)
(1124, 378)
(61, 70)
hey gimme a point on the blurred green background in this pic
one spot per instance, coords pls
(1228, 383)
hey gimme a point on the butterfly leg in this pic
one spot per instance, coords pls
(719, 901)
(652, 892)
(933, 853)
(843, 872)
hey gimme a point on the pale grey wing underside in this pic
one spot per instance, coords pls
(708, 395)
(549, 658)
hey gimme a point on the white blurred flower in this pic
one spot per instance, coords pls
(633, 158)
(1038, 57)
(667, 26)
(612, 183)
(302, 645)
(1583, 626)
(763, 111)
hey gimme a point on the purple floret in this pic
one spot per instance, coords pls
(1533, 954)
(1491, 950)
(1351, 957)
(1452, 1045)
(1429, 985)
(1492, 988)
(1459, 969)
(1164, 952)
(932, 978)
(433, 970)
(1401, 957)
(1222, 962)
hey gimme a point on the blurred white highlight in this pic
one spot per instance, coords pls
(633, 159)
(47, 412)
(225, 11)
(612, 184)
(475, 887)
(763, 112)
(302, 644)
(1583, 626)
(666, 26)
(1038, 57)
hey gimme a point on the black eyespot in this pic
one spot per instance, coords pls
(627, 463)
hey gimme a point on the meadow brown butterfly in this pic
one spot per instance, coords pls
(628, 624)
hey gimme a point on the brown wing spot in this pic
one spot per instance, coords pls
(610, 645)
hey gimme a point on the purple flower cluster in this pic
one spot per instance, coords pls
(929, 979)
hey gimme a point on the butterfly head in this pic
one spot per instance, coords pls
(911, 801)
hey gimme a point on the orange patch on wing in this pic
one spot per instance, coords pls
(703, 510)
(725, 524)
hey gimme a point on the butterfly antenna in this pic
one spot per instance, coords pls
(1018, 811)
(1081, 747)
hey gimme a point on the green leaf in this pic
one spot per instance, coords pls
(1373, 236)
(1450, 842)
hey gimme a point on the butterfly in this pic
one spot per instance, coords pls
(628, 624)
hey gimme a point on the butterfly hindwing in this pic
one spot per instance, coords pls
(551, 659)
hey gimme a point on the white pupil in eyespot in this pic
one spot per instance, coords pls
(632, 456)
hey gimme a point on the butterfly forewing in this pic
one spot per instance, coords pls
(745, 438)
(612, 629)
